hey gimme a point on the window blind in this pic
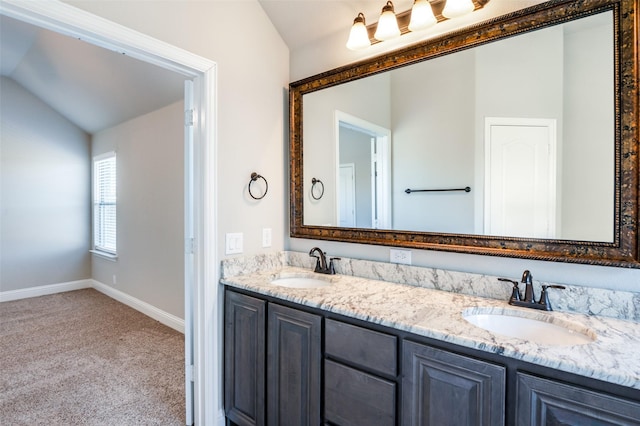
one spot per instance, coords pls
(104, 203)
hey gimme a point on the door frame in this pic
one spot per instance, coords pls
(71, 21)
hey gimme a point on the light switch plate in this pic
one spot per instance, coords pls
(233, 243)
(400, 256)
(266, 237)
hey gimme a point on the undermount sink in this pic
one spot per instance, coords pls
(535, 330)
(300, 281)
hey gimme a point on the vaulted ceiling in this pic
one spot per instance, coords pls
(92, 87)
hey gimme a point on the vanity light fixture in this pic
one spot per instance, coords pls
(388, 24)
(422, 15)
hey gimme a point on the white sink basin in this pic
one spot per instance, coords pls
(536, 330)
(300, 281)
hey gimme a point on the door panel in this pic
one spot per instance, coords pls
(520, 178)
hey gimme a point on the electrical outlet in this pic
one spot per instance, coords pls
(400, 256)
(266, 237)
(233, 243)
(114, 279)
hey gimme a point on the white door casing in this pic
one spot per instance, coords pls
(520, 177)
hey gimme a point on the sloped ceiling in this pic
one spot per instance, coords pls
(92, 87)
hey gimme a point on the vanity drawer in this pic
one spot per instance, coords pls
(364, 348)
(354, 398)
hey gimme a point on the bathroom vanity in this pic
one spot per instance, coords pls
(359, 351)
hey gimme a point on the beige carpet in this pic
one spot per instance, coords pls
(82, 358)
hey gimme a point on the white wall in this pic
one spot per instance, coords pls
(252, 100)
(44, 196)
(330, 53)
(431, 149)
(150, 212)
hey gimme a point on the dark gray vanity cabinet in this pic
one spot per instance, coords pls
(440, 388)
(244, 359)
(287, 364)
(360, 369)
(543, 402)
(294, 358)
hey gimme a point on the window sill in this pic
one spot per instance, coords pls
(104, 255)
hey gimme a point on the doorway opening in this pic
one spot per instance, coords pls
(363, 164)
(201, 330)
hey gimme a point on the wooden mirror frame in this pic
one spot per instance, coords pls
(623, 251)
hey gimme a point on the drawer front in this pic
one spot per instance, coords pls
(354, 398)
(365, 348)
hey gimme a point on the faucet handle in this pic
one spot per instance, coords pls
(515, 293)
(544, 296)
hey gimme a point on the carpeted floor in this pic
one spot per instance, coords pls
(82, 358)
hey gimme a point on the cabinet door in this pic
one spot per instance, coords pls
(546, 402)
(293, 367)
(445, 389)
(244, 359)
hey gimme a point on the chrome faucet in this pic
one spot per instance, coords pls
(529, 296)
(321, 262)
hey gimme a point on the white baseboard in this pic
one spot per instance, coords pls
(44, 290)
(137, 304)
(159, 315)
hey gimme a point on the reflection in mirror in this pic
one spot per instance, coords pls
(527, 122)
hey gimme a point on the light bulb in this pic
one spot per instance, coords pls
(421, 16)
(358, 37)
(387, 24)
(456, 8)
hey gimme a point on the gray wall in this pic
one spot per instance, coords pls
(585, 179)
(45, 194)
(150, 212)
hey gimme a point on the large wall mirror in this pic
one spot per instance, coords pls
(516, 137)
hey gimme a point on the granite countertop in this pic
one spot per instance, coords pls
(612, 357)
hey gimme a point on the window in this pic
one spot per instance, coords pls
(104, 203)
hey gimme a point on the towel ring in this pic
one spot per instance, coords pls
(255, 177)
(313, 184)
